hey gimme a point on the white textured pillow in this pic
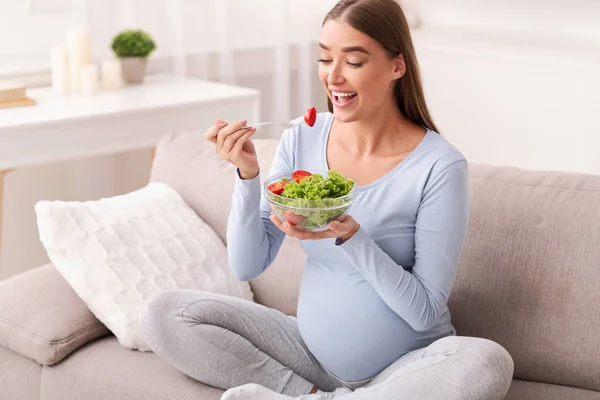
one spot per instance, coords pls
(116, 252)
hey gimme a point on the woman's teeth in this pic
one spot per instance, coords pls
(339, 94)
(343, 97)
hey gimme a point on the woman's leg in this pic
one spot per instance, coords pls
(226, 342)
(452, 368)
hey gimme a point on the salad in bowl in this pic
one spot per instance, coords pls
(309, 200)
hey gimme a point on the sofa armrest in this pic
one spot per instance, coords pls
(42, 318)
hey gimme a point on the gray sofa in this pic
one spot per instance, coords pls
(529, 279)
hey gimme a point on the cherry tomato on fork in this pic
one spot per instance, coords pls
(310, 116)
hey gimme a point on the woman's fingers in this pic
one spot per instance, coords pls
(236, 148)
(277, 222)
(293, 219)
(226, 131)
(284, 226)
(299, 234)
(211, 133)
(231, 142)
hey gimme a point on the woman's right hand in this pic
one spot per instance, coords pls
(233, 144)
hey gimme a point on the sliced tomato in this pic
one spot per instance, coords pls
(277, 187)
(299, 175)
(310, 116)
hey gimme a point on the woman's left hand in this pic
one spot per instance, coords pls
(343, 228)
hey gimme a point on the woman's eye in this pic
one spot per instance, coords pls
(354, 65)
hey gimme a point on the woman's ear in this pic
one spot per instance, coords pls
(399, 67)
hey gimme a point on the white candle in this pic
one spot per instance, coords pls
(79, 45)
(111, 74)
(59, 66)
(88, 83)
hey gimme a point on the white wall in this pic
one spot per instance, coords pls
(514, 82)
(510, 82)
(551, 19)
(514, 104)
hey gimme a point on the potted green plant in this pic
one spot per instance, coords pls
(133, 47)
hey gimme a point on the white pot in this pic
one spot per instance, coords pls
(133, 69)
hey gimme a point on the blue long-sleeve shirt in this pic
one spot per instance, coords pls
(384, 292)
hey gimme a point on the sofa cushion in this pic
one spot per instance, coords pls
(42, 318)
(523, 390)
(104, 369)
(529, 274)
(189, 164)
(20, 377)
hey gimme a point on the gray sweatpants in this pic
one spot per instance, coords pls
(226, 342)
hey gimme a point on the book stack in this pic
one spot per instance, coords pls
(13, 94)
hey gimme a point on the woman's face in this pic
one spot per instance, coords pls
(356, 72)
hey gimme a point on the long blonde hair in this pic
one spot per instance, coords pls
(384, 21)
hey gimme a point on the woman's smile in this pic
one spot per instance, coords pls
(342, 99)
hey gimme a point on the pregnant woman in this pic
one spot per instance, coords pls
(372, 320)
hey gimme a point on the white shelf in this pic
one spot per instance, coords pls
(60, 128)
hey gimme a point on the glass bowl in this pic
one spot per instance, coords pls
(307, 215)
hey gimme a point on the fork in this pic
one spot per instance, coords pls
(290, 125)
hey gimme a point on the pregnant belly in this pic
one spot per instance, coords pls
(347, 326)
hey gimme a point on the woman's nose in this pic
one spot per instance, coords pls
(334, 77)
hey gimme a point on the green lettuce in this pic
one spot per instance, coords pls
(317, 187)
